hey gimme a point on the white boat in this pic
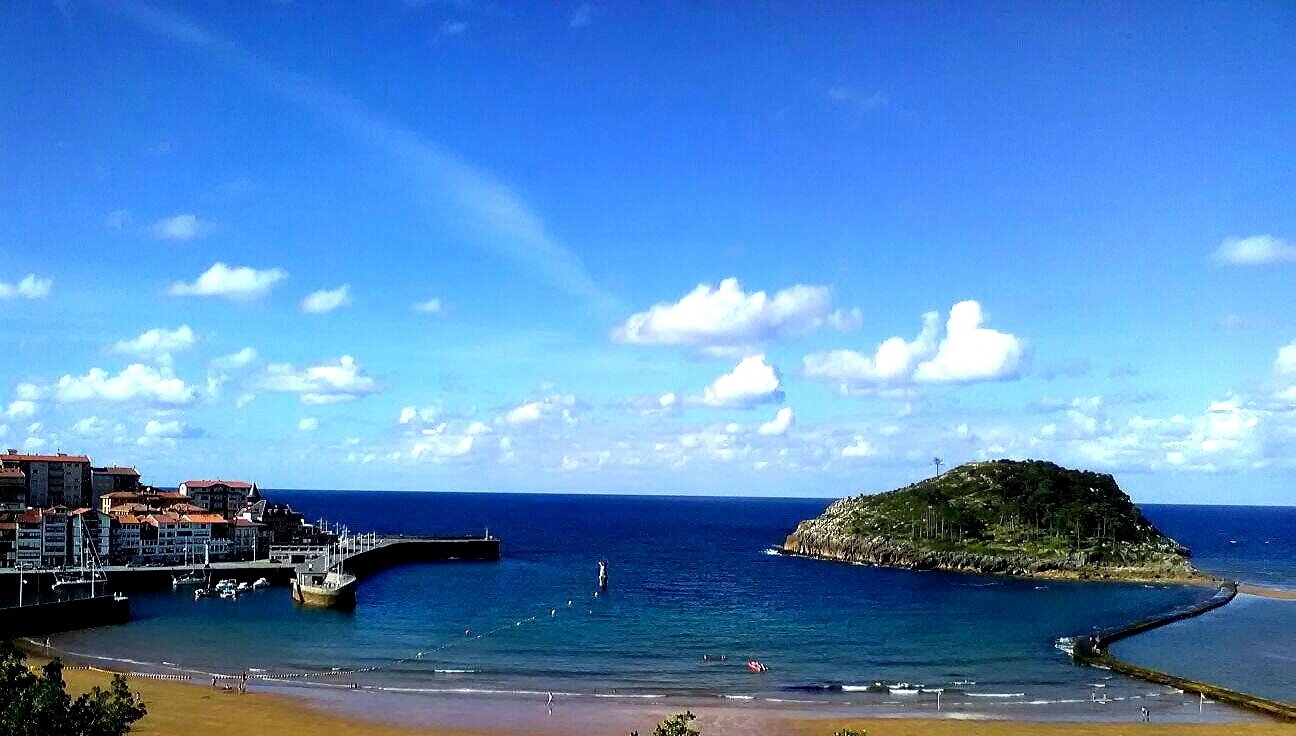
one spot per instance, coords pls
(82, 575)
(228, 593)
(260, 583)
(193, 577)
(227, 584)
(242, 587)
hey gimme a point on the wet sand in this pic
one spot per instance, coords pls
(199, 710)
(1278, 593)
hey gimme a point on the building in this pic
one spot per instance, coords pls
(251, 541)
(144, 500)
(28, 545)
(224, 497)
(111, 480)
(124, 538)
(13, 489)
(53, 480)
(282, 524)
(89, 536)
(54, 536)
(8, 541)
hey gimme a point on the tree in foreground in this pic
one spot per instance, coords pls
(676, 725)
(34, 704)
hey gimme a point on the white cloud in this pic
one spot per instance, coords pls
(1255, 250)
(858, 100)
(21, 409)
(326, 300)
(431, 306)
(237, 284)
(309, 424)
(860, 448)
(29, 288)
(137, 382)
(752, 382)
(424, 415)
(971, 352)
(321, 384)
(180, 227)
(443, 447)
(477, 428)
(1286, 362)
(174, 429)
(780, 424)
(91, 426)
(542, 409)
(582, 15)
(728, 317)
(967, 353)
(158, 343)
(235, 360)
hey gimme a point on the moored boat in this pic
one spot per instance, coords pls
(325, 590)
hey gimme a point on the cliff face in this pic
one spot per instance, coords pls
(1031, 519)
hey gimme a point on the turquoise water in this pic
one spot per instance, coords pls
(695, 591)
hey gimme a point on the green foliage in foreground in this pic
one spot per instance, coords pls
(676, 725)
(38, 704)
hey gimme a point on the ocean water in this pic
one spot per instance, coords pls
(695, 591)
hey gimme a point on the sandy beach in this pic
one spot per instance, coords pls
(198, 710)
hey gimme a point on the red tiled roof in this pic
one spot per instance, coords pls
(205, 519)
(126, 519)
(7, 525)
(210, 483)
(169, 495)
(45, 458)
(116, 471)
(12, 471)
(121, 494)
(32, 516)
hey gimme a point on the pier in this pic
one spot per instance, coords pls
(1092, 650)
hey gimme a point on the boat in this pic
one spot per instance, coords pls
(243, 586)
(192, 577)
(228, 593)
(260, 583)
(755, 666)
(201, 593)
(82, 575)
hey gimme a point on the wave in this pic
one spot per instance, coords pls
(996, 695)
(772, 551)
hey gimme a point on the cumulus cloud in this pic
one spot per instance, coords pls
(859, 448)
(174, 429)
(321, 384)
(443, 447)
(431, 306)
(158, 343)
(180, 227)
(422, 415)
(553, 406)
(1286, 362)
(232, 361)
(752, 382)
(136, 383)
(728, 317)
(1255, 251)
(780, 424)
(309, 424)
(29, 288)
(236, 284)
(967, 353)
(326, 300)
(21, 409)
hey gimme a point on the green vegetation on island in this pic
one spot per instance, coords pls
(1028, 518)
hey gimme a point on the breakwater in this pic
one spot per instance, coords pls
(1093, 650)
(59, 616)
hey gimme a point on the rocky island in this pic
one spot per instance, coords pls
(1024, 518)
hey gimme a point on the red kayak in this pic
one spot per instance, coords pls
(755, 666)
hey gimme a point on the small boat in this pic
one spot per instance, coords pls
(226, 584)
(755, 666)
(193, 577)
(260, 583)
(243, 586)
(201, 593)
(83, 576)
(229, 593)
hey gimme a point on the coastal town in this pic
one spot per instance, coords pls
(61, 510)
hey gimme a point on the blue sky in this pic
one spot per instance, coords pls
(769, 250)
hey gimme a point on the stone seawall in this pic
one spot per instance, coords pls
(51, 618)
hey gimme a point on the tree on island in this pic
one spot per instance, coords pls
(34, 704)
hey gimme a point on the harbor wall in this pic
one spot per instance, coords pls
(1093, 650)
(59, 616)
(404, 551)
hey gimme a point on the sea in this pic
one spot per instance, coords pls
(696, 590)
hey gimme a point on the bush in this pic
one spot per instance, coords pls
(676, 725)
(38, 705)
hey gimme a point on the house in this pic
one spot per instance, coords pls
(251, 540)
(283, 525)
(27, 547)
(52, 480)
(89, 536)
(224, 497)
(112, 479)
(8, 541)
(124, 544)
(13, 489)
(54, 536)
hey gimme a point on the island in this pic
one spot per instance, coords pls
(1022, 518)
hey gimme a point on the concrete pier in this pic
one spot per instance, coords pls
(1093, 650)
(59, 616)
